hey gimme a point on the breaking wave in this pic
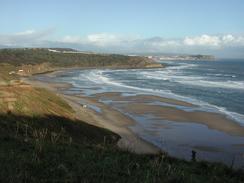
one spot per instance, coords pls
(100, 77)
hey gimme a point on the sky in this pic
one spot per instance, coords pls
(129, 26)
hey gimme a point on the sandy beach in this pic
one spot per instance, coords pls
(109, 118)
(142, 104)
(149, 124)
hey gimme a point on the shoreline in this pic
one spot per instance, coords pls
(118, 122)
(55, 70)
(111, 119)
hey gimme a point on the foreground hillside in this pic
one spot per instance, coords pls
(42, 140)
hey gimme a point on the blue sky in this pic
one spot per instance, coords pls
(133, 22)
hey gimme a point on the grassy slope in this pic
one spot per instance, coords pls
(5, 78)
(59, 149)
(40, 140)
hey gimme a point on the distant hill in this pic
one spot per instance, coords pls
(182, 57)
(36, 60)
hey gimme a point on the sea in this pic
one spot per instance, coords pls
(214, 86)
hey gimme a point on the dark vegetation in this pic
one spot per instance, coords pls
(57, 149)
(34, 56)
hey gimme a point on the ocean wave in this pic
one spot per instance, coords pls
(99, 77)
(181, 77)
(222, 75)
(181, 66)
(217, 84)
(169, 75)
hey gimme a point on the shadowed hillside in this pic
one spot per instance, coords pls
(51, 148)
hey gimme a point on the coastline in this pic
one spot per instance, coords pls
(55, 70)
(174, 112)
(107, 117)
(110, 119)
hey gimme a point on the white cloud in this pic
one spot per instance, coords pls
(167, 43)
(228, 38)
(27, 32)
(104, 39)
(106, 42)
(101, 39)
(220, 41)
(71, 39)
(239, 41)
(26, 38)
(203, 40)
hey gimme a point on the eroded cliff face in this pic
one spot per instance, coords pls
(29, 69)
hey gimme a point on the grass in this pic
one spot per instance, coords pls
(33, 101)
(5, 77)
(57, 149)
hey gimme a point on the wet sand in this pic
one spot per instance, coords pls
(211, 120)
(117, 122)
(109, 118)
(116, 96)
(141, 104)
(122, 112)
(111, 110)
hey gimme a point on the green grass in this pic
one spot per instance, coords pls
(56, 149)
(4, 73)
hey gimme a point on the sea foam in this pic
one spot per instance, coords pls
(100, 77)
